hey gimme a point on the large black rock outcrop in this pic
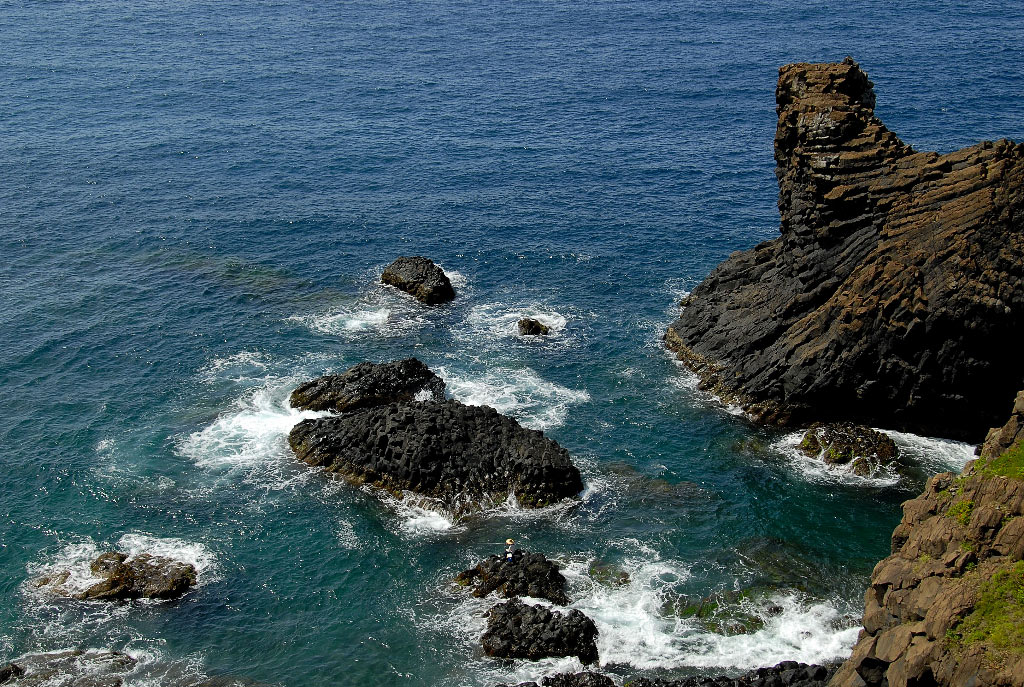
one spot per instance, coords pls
(462, 455)
(527, 574)
(421, 278)
(895, 293)
(140, 577)
(516, 630)
(368, 384)
(785, 674)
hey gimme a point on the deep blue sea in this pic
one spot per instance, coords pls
(196, 202)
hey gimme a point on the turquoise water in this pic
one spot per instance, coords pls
(198, 201)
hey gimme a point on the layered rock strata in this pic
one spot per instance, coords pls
(367, 384)
(140, 577)
(947, 607)
(462, 455)
(894, 294)
(517, 630)
(420, 278)
(527, 574)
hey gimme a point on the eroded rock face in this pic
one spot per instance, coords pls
(844, 443)
(462, 455)
(953, 539)
(527, 574)
(141, 577)
(420, 278)
(367, 384)
(516, 630)
(531, 327)
(894, 295)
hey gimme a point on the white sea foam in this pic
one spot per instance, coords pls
(523, 394)
(814, 469)
(251, 433)
(419, 515)
(934, 455)
(631, 626)
(806, 631)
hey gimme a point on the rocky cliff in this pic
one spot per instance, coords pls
(947, 607)
(894, 294)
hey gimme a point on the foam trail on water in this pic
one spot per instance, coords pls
(419, 515)
(817, 470)
(523, 394)
(495, 323)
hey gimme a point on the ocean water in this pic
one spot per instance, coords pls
(197, 201)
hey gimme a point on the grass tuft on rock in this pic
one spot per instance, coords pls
(997, 620)
(1008, 464)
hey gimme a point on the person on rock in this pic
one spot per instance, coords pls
(510, 548)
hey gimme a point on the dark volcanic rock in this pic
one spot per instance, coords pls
(142, 577)
(527, 574)
(531, 327)
(785, 674)
(515, 630)
(368, 384)
(843, 443)
(895, 293)
(9, 672)
(570, 680)
(462, 455)
(421, 278)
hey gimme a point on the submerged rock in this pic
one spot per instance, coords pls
(895, 293)
(462, 455)
(527, 574)
(844, 443)
(93, 668)
(421, 278)
(368, 384)
(531, 327)
(516, 630)
(141, 577)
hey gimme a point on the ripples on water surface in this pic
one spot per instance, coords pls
(198, 199)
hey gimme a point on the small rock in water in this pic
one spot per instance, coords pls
(527, 574)
(516, 630)
(420, 278)
(367, 384)
(531, 327)
(844, 443)
(142, 577)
